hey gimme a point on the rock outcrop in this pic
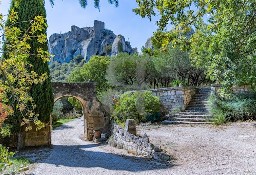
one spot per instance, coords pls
(149, 44)
(86, 42)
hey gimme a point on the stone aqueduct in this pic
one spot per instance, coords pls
(94, 117)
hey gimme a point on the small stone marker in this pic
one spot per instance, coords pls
(130, 126)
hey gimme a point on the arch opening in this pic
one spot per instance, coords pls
(68, 108)
(95, 119)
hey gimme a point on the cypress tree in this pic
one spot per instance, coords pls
(41, 93)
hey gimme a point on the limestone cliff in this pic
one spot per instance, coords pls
(86, 42)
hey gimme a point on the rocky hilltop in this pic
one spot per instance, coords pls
(86, 42)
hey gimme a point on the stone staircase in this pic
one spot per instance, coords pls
(197, 111)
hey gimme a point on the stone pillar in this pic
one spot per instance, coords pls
(130, 126)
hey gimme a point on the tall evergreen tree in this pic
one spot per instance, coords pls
(42, 92)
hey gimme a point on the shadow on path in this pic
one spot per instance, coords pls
(87, 156)
(63, 126)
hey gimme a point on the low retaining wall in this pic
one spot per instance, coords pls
(174, 98)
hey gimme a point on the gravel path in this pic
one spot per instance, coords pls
(207, 149)
(72, 156)
(201, 149)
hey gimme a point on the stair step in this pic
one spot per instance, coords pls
(190, 119)
(198, 103)
(183, 122)
(199, 109)
(192, 113)
(204, 111)
(193, 116)
(200, 98)
(202, 94)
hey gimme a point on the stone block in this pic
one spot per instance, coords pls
(130, 126)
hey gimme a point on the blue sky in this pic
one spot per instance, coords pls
(120, 20)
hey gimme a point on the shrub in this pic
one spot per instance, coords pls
(57, 111)
(5, 156)
(108, 99)
(140, 106)
(237, 107)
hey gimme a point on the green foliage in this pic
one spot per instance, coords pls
(174, 65)
(120, 47)
(61, 115)
(5, 157)
(37, 55)
(237, 107)
(219, 118)
(17, 78)
(5, 130)
(10, 164)
(61, 71)
(140, 106)
(224, 39)
(130, 71)
(94, 70)
(76, 103)
(57, 111)
(108, 99)
(18, 165)
(108, 49)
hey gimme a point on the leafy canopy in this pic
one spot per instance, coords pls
(220, 35)
(94, 70)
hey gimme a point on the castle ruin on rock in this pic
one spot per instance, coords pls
(86, 42)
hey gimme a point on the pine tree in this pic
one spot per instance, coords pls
(41, 93)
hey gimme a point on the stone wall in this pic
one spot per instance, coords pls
(29, 138)
(136, 145)
(133, 144)
(35, 137)
(174, 98)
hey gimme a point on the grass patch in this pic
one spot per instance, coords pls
(60, 122)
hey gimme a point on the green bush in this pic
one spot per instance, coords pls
(237, 107)
(57, 111)
(5, 157)
(108, 99)
(10, 164)
(140, 106)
